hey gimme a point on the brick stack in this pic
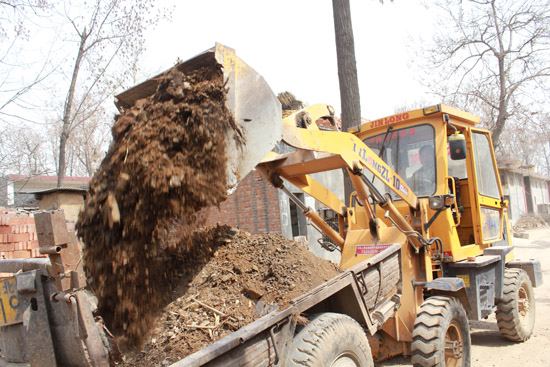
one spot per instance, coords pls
(18, 238)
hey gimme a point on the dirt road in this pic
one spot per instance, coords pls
(488, 347)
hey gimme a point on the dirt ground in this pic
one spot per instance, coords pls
(488, 347)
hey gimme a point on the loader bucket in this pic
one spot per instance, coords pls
(256, 109)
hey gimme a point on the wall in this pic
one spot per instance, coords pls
(253, 207)
(333, 181)
(525, 190)
(257, 207)
(539, 192)
(70, 202)
(514, 190)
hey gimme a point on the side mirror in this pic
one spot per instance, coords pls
(457, 146)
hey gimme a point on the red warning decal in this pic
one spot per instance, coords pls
(371, 249)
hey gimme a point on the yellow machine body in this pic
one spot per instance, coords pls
(473, 218)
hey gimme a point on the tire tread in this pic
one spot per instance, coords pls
(507, 315)
(428, 331)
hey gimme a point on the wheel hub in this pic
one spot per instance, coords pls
(523, 302)
(454, 346)
(453, 349)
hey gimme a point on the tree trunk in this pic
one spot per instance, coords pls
(347, 74)
(67, 118)
(503, 95)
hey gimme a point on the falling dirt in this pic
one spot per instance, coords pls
(238, 278)
(166, 161)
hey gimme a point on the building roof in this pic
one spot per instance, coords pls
(78, 190)
(47, 178)
(524, 172)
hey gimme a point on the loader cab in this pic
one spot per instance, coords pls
(439, 151)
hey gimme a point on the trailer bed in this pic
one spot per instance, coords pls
(369, 292)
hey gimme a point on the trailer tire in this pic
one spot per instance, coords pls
(516, 310)
(330, 339)
(441, 336)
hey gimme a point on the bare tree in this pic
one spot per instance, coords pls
(542, 126)
(347, 67)
(109, 30)
(23, 151)
(491, 56)
(89, 143)
(13, 16)
(18, 74)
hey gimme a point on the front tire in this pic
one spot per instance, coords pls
(516, 310)
(441, 336)
(330, 339)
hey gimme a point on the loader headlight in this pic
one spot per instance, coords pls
(431, 109)
(438, 202)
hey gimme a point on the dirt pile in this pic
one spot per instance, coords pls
(166, 161)
(531, 221)
(243, 277)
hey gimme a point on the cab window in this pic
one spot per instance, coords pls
(485, 169)
(409, 152)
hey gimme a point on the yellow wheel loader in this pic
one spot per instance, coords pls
(425, 241)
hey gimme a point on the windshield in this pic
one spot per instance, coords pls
(410, 152)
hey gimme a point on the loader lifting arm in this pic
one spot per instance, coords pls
(318, 151)
(349, 151)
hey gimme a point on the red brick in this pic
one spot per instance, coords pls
(7, 247)
(32, 244)
(36, 253)
(6, 229)
(21, 254)
(18, 237)
(21, 220)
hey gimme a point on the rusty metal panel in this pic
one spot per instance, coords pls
(63, 249)
(258, 351)
(268, 348)
(51, 228)
(68, 349)
(15, 265)
(90, 333)
(12, 344)
(36, 325)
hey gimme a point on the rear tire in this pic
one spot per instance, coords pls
(330, 340)
(441, 336)
(516, 310)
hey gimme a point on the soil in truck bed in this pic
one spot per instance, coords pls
(238, 278)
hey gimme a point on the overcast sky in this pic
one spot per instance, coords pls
(291, 43)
